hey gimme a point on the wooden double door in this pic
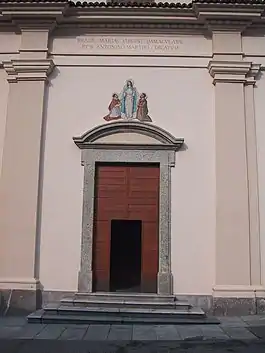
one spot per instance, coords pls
(126, 228)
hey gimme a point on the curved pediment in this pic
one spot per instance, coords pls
(128, 134)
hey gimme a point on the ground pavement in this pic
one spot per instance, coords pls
(235, 334)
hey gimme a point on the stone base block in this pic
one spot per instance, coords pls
(23, 302)
(165, 283)
(234, 306)
(205, 302)
(20, 301)
(51, 297)
(85, 281)
(260, 304)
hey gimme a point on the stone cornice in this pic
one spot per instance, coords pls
(130, 146)
(31, 14)
(220, 16)
(253, 74)
(233, 71)
(195, 15)
(167, 141)
(28, 70)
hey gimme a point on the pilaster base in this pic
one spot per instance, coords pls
(19, 283)
(238, 300)
(85, 280)
(20, 296)
(165, 283)
(238, 291)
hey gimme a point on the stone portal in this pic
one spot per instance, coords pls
(147, 153)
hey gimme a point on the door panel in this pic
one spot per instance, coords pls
(126, 192)
(101, 255)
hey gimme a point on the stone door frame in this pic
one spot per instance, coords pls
(162, 153)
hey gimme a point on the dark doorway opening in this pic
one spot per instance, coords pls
(125, 256)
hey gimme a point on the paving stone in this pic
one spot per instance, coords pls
(10, 331)
(76, 326)
(167, 332)
(51, 332)
(33, 346)
(258, 331)
(255, 320)
(255, 323)
(190, 332)
(214, 332)
(12, 321)
(97, 332)
(51, 346)
(120, 332)
(73, 333)
(143, 332)
(232, 321)
(10, 346)
(29, 331)
(239, 333)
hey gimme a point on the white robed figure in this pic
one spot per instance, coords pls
(129, 98)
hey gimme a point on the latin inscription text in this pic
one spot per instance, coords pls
(127, 44)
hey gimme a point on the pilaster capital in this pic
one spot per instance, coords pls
(233, 71)
(28, 70)
(227, 25)
(253, 74)
(33, 14)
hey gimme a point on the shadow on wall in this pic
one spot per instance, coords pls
(55, 73)
(183, 148)
(259, 75)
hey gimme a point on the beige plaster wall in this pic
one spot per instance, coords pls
(3, 110)
(181, 101)
(9, 46)
(252, 45)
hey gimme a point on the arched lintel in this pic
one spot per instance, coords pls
(166, 141)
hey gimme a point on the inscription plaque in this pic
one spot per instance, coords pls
(110, 45)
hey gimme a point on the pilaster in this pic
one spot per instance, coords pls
(232, 216)
(237, 222)
(21, 178)
(255, 251)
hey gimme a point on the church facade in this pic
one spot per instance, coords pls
(132, 152)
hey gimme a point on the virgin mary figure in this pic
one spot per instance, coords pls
(128, 99)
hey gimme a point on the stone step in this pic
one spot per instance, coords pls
(124, 312)
(135, 297)
(118, 303)
(41, 316)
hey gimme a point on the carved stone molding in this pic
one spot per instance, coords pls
(168, 142)
(28, 70)
(93, 153)
(224, 16)
(253, 74)
(233, 71)
(228, 25)
(193, 16)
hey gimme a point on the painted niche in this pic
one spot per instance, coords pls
(128, 105)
